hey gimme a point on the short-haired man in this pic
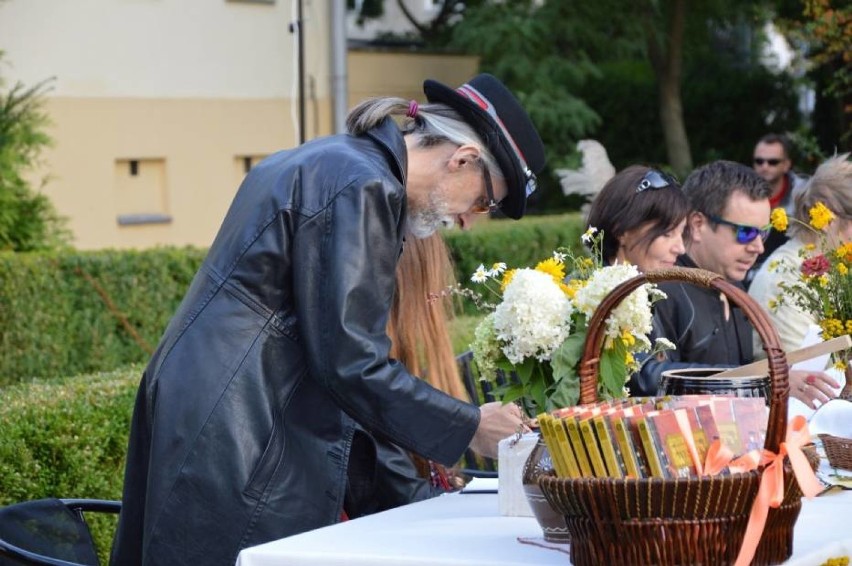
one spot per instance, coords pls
(773, 163)
(727, 226)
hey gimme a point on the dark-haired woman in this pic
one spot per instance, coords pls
(642, 215)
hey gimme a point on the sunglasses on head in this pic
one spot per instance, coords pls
(654, 179)
(773, 161)
(745, 234)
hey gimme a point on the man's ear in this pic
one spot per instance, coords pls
(464, 156)
(696, 221)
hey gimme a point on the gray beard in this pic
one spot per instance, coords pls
(423, 221)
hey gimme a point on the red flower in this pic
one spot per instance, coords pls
(815, 266)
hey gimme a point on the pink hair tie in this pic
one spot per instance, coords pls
(412, 109)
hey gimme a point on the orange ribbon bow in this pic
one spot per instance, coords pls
(771, 491)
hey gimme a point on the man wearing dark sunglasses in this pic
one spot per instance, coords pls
(730, 218)
(773, 163)
(729, 222)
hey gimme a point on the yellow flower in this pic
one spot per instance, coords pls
(820, 215)
(842, 269)
(773, 265)
(572, 287)
(844, 252)
(628, 338)
(831, 328)
(810, 247)
(552, 267)
(778, 218)
(823, 280)
(849, 326)
(773, 304)
(628, 358)
(507, 278)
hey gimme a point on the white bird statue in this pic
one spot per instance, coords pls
(592, 175)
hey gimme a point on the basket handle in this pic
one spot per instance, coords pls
(778, 368)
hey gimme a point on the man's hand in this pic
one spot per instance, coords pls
(810, 386)
(497, 422)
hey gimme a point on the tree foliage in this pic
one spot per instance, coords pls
(28, 220)
(824, 29)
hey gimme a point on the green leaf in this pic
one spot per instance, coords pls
(613, 369)
(566, 393)
(567, 355)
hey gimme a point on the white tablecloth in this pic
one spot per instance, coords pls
(466, 529)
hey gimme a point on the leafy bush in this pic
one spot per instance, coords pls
(77, 312)
(67, 438)
(70, 313)
(28, 220)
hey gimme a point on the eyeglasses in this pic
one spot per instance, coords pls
(488, 204)
(773, 161)
(654, 179)
(745, 234)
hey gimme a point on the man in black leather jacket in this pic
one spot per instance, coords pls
(726, 229)
(272, 380)
(725, 234)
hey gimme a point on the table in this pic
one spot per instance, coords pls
(466, 530)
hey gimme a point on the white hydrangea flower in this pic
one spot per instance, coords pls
(634, 312)
(485, 347)
(534, 317)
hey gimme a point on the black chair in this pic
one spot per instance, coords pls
(479, 391)
(51, 532)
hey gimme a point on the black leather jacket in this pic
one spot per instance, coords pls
(692, 317)
(246, 413)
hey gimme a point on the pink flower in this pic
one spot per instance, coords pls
(815, 266)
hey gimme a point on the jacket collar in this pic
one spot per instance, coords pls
(387, 135)
(684, 260)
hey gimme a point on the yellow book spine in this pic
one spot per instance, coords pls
(628, 452)
(652, 453)
(579, 447)
(608, 448)
(590, 439)
(546, 425)
(571, 465)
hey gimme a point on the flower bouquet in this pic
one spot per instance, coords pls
(538, 325)
(820, 285)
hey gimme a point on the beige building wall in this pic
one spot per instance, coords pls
(159, 106)
(382, 73)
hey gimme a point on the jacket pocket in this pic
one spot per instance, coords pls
(269, 462)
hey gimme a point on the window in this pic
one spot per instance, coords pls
(140, 192)
(244, 163)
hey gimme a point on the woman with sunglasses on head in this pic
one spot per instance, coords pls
(642, 215)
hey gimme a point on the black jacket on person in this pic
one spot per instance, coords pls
(693, 318)
(246, 414)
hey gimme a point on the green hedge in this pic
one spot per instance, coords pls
(67, 438)
(517, 243)
(70, 313)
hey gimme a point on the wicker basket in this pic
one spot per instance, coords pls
(696, 520)
(838, 450)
